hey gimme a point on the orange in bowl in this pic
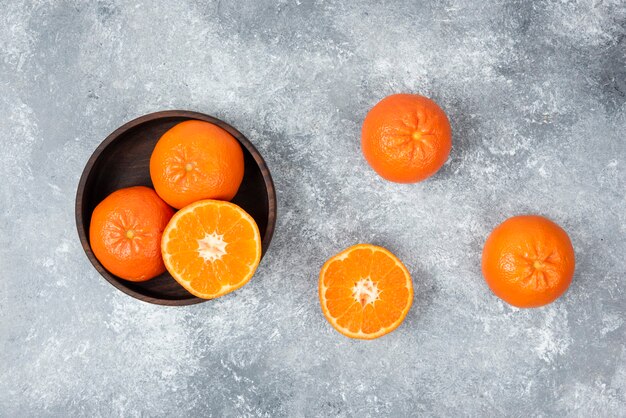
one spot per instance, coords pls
(365, 291)
(125, 233)
(211, 248)
(406, 138)
(196, 160)
(528, 261)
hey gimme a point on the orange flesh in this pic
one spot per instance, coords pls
(211, 248)
(365, 291)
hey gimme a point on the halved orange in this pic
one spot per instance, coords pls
(365, 291)
(211, 248)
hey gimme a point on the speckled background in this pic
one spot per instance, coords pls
(536, 94)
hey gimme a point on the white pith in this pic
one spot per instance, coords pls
(212, 247)
(365, 291)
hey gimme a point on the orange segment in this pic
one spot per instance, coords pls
(211, 248)
(365, 291)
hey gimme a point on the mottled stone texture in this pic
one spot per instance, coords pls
(536, 94)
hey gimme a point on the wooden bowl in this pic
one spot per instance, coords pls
(123, 160)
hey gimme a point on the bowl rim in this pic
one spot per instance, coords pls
(80, 191)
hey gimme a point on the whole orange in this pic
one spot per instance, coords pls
(406, 138)
(125, 233)
(528, 261)
(196, 160)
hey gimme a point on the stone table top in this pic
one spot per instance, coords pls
(536, 95)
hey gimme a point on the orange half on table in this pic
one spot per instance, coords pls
(365, 291)
(211, 248)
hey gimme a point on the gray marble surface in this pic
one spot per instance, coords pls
(536, 94)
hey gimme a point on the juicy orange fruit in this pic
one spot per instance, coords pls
(365, 291)
(406, 138)
(196, 160)
(211, 248)
(125, 233)
(528, 261)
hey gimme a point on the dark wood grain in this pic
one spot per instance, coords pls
(123, 160)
